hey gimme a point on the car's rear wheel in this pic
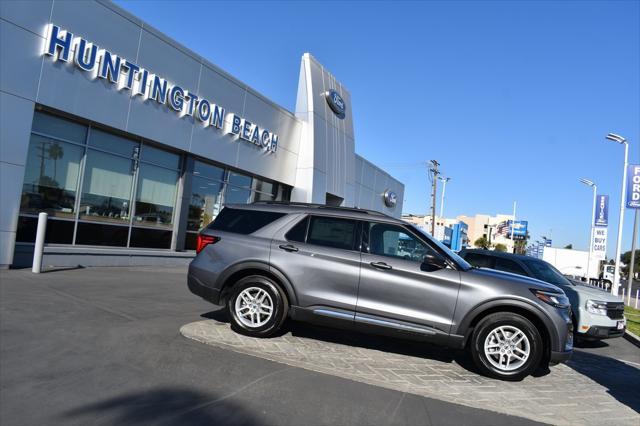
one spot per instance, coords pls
(257, 306)
(506, 346)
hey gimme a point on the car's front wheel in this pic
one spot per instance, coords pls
(506, 346)
(257, 306)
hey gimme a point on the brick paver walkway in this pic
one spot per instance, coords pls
(567, 395)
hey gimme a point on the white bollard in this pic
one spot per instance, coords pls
(637, 296)
(623, 289)
(39, 246)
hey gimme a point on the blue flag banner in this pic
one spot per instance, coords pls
(602, 211)
(633, 186)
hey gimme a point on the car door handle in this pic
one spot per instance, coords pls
(381, 265)
(288, 247)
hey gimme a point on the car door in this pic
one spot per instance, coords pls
(321, 258)
(396, 290)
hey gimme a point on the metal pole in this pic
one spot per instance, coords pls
(593, 216)
(444, 188)
(39, 246)
(513, 227)
(633, 254)
(434, 187)
(616, 270)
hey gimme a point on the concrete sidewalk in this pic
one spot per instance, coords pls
(101, 346)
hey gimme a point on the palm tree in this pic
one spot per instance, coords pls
(55, 152)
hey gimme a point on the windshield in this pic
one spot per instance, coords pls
(460, 262)
(545, 272)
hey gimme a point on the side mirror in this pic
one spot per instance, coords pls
(433, 262)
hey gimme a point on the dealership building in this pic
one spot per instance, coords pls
(132, 143)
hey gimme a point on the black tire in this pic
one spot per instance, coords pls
(278, 298)
(486, 326)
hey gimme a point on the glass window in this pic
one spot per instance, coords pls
(59, 127)
(208, 171)
(298, 232)
(332, 232)
(156, 195)
(508, 265)
(237, 179)
(160, 157)
(106, 189)
(205, 204)
(51, 177)
(190, 241)
(98, 234)
(263, 191)
(479, 260)
(113, 143)
(58, 231)
(150, 238)
(237, 195)
(393, 240)
(243, 221)
(545, 272)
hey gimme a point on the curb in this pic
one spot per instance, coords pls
(629, 336)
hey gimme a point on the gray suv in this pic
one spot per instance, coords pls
(364, 270)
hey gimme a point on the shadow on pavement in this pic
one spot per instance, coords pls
(591, 344)
(367, 341)
(169, 406)
(621, 380)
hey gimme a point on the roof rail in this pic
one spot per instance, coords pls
(321, 206)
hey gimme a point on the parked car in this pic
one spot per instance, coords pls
(364, 270)
(596, 314)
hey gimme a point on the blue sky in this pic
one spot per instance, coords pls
(512, 98)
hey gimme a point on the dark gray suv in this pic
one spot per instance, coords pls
(367, 271)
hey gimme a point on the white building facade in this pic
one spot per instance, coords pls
(132, 143)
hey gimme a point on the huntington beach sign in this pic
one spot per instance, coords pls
(63, 45)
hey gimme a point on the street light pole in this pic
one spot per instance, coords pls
(594, 187)
(616, 271)
(633, 255)
(444, 188)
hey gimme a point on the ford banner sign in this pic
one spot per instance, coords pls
(633, 186)
(336, 103)
(601, 217)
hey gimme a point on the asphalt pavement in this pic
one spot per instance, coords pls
(101, 346)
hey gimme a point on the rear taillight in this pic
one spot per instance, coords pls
(205, 240)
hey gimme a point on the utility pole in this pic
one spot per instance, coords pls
(434, 187)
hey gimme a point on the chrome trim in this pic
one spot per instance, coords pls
(396, 325)
(334, 314)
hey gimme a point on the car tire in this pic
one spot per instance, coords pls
(506, 346)
(257, 306)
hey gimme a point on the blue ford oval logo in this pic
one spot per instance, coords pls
(390, 198)
(336, 103)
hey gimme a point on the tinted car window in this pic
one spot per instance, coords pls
(545, 272)
(508, 265)
(243, 221)
(299, 231)
(479, 260)
(332, 232)
(395, 241)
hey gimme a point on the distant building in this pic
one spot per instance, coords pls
(452, 232)
(491, 227)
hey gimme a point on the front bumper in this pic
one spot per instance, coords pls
(600, 332)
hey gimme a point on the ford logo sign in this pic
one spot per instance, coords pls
(336, 103)
(390, 198)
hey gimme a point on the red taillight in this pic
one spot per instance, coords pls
(205, 240)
